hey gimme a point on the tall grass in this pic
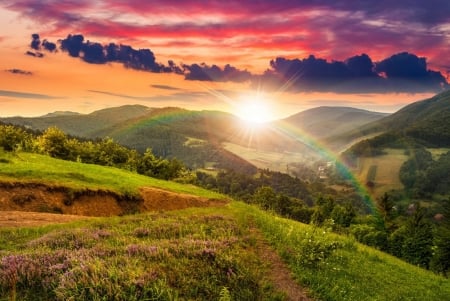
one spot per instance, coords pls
(198, 254)
(336, 267)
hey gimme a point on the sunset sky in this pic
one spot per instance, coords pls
(84, 55)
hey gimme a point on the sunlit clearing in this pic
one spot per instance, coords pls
(254, 109)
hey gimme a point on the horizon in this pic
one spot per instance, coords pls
(281, 57)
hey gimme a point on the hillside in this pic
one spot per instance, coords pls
(424, 122)
(204, 138)
(194, 137)
(197, 253)
(81, 125)
(323, 122)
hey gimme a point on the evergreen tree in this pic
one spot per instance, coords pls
(417, 245)
(441, 257)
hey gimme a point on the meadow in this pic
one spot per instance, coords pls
(382, 170)
(211, 253)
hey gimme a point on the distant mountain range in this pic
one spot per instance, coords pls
(196, 137)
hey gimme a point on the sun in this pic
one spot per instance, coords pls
(254, 109)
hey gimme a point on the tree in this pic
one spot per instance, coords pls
(266, 197)
(54, 143)
(385, 207)
(11, 138)
(441, 257)
(417, 245)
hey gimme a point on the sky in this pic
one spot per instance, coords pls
(285, 56)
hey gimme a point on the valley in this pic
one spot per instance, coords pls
(196, 191)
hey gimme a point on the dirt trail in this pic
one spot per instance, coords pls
(279, 273)
(32, 219)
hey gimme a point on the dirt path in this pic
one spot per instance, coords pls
(31, 219)
(279, 273)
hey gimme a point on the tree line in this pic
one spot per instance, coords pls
(106, 151)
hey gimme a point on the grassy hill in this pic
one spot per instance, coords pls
(323, 122)
(35, 168)
(423, 122)
(215, 253)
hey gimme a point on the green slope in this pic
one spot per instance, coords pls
(203, 254)
(426, 122)
(322, 122)
(34, 168)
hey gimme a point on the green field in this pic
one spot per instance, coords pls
(275, 161)
(192, 254)
(382, 170)
(436, 152)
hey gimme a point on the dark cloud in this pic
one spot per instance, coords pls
(35, 54)
(402, 72)
(96, 53)
(49, 46)
(19, 71)
(404, 65)
(165, 87)
(204, 72)
(35, 42)
(16, 94)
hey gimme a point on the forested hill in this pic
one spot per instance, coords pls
(425, 123)
(82, 125)
(322, 122)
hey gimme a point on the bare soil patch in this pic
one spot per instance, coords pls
(57, 204)
(279, 274)
(31, 219)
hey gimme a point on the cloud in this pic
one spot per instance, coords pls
(331, 29)
(185, 96)
(121, 95)
(19, 71)
(97, 53)
(16, 94)
(35, 54)
(403, 72)
(165, 87)
(35, 42)
(203, 72)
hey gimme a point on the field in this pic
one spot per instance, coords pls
(436, 152)
(276, 161)
(382, 170)
(230, 252)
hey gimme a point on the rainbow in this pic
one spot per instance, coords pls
(168, 115)
(301, 136)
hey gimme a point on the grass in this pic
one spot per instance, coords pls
(437, 152)
(199, 254)
(28, 167)
(191, 254)
(195, 254)
(386, 175)
(336, 267)
(276, 161)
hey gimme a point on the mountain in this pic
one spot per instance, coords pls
(424, 122)
(82, 125)
(60, 113)
(197, 137)
(323, 122)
